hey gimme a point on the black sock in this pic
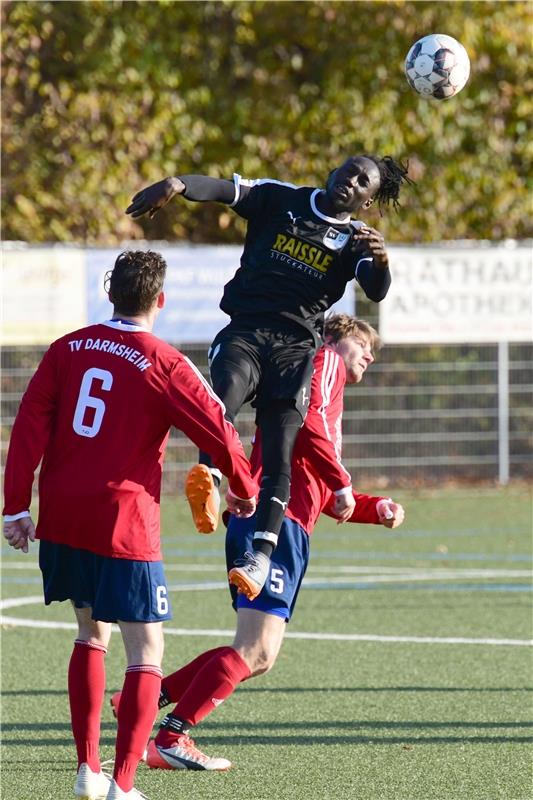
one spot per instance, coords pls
(175, 724)
(164, 699)
(262, 546)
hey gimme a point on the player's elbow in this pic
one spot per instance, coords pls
(374, 282)
(377, 294)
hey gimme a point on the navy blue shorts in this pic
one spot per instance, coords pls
(289, 563)
(114, 588)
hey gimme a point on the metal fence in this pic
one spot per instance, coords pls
(423, 415)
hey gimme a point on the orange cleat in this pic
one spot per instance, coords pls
(203, 498)
(250, 573)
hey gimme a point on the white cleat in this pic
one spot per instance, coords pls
(116, 793)
(183, 755)
(91, 785)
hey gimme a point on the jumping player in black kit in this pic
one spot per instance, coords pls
(301, 249)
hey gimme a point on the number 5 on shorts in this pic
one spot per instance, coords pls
(276, 581)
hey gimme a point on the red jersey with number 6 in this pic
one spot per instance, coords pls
(98, 413)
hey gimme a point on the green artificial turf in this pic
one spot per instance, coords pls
(336, 718)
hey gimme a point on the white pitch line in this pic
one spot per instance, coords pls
(470, 572)
(168, 567)
(197, 587)
(309, 583)
(375, 574)
(324, 637)
(16, 602)
(421, 575)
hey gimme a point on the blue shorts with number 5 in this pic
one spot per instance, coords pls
(289, 563)
(114, 588)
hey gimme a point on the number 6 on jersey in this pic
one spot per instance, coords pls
(85, 401)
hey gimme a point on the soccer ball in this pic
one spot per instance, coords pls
(437, 66)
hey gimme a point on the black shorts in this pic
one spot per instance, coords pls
(274, 362)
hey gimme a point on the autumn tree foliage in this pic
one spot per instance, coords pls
(101, 98)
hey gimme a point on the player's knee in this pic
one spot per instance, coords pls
(277, 456)
(143, 642)
(263, 661)
(95, 633)
(233, 389)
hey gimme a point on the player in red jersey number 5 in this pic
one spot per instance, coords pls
(319, 479)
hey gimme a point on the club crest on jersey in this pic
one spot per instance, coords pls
(335, 240)
(292, 217)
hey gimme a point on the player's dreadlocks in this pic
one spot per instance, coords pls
(392, 174)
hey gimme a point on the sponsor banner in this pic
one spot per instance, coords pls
(51, 290)
(193, 288)
(194, 285)
(458, 294)
(43, 293)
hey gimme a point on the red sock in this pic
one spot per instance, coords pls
(211, 685)
(136, 715)
(86, 687)
(177, 683)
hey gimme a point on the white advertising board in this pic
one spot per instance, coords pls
(43, 293)
(449, 294)
(458, 294)
(193, 288)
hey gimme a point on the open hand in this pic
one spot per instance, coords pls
(374, 242)
(154, 197)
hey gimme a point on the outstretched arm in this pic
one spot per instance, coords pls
(371, 510)
(200, 188)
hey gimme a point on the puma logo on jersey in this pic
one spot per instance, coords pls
(216, 701)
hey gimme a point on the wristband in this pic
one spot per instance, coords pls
(346, 491)
(389, 514)
(244, 499)
(15, 517)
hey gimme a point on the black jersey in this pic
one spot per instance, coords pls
(296, 261)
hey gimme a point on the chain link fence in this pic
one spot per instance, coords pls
(422, 416)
